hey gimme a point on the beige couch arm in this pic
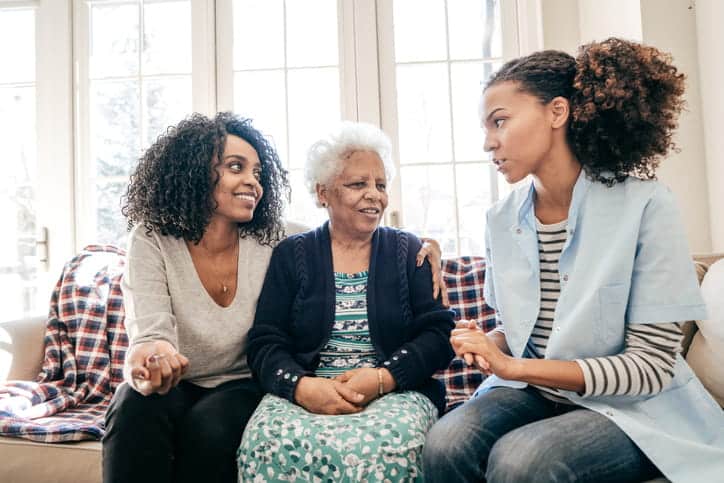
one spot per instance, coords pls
(22, 348)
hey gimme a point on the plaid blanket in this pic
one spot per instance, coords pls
(85, 343)
(465, 278)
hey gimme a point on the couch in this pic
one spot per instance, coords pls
(21, 355)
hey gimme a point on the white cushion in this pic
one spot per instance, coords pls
(706, 353)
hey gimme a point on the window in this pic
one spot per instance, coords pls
(87, 85)
(287, 77)
(18, 264)
(432, 55)
(444, 51)
(134, 81)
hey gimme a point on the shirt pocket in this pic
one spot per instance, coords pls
(612, 302)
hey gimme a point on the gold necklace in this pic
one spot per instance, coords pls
(224, 288)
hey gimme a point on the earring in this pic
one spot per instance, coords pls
(324, 205)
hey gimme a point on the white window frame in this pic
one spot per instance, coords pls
(55, 124)
(54, 139)
(346, 33)
(203, 97)
(522, 33)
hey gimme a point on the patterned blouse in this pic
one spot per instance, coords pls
(349, 344)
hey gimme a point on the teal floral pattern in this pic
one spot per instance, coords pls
(383, 443)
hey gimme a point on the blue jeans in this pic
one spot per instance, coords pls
(517, 435)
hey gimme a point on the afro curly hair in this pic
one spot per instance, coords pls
(625, 100)
(171, 189)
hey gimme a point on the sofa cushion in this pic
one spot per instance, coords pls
(465, 279)
(25, 461)
(21, 348)
(705, 354)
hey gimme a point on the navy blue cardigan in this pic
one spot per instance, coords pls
(294, 317)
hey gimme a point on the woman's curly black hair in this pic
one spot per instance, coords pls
(171, 189)
(625, 99)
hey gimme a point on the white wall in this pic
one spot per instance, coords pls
(599, 20)
(709, 18)
(671, 26)
(560, 25)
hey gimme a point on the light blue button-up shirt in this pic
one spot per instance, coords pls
(626, 260)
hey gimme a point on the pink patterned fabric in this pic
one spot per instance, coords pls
(465, 279)
(85, 343)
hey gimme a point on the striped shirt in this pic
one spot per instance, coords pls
(645, 367)
(349, 345)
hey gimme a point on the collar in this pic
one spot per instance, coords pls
(526, 213)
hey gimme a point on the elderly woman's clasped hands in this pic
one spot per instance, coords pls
(345, 394)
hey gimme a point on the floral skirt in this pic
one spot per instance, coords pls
(285, 442)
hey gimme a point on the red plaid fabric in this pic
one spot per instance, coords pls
(85, 343)
(465, 279)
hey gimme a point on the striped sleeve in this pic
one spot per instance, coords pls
(645, 367)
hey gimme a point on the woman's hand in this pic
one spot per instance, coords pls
(470, 358)
(474, 346)
(365, 381)
(431, 250)
(320, 395)
(154, 367)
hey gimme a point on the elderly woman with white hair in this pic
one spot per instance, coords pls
(346, 325)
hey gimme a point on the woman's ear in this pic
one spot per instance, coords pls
(321, 195)
(560, 110)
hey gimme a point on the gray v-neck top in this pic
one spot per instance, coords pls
(164, 299)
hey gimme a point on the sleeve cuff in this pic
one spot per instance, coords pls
(587, 378)
(396, 364)
(285, 382)
(643, 314)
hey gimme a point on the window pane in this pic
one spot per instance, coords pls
(474, 29)
(17, 135)
(111, 225)
(303, 208)
(17, 41)
(260, 96)
(258, 34)
(428, 203)
(419, 30)
(18, 162)
(115, 127)
(167, 102)
(423, 113)
(474, 198)
(467, 81)
(166, 40)
(313, 109)
(312, 33)
(114, 40)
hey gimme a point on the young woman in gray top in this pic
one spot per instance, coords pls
(197, 255)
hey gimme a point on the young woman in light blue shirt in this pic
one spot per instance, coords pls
(589, 272)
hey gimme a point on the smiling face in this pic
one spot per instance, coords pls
(518, 130)
(357, 197)
(239, 190)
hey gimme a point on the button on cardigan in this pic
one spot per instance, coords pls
(409, 329)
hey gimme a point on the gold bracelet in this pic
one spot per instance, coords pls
(380, 384)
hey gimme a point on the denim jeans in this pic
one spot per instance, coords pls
(517, 435)
(190, 434)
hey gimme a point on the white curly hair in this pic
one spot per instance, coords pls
(325, 157)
